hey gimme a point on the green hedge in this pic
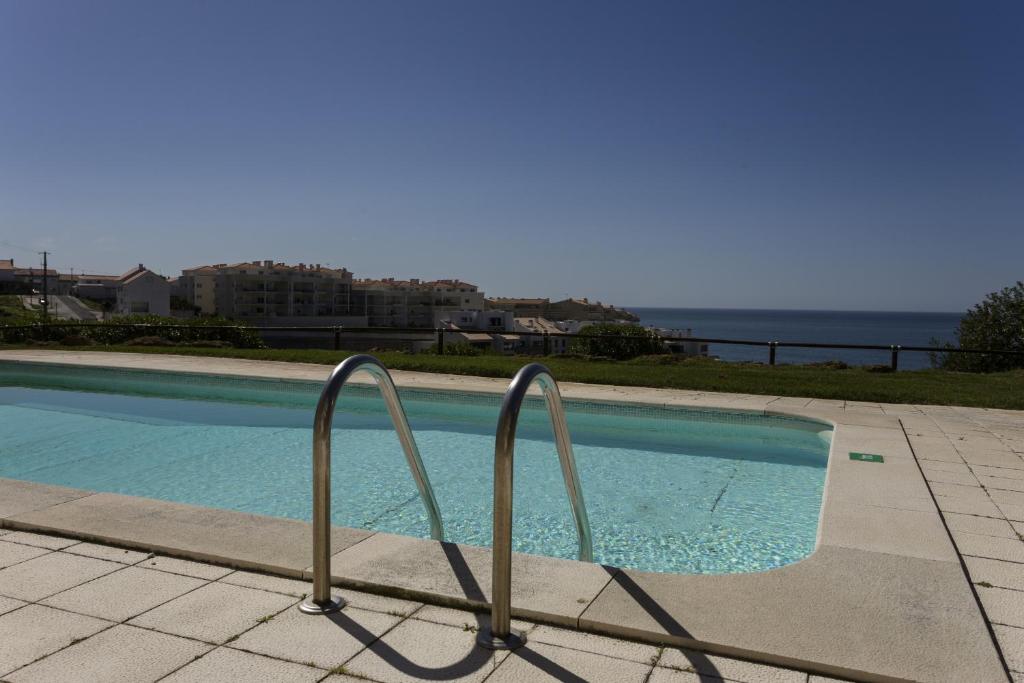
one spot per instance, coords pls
(127, 328)
(617, 341)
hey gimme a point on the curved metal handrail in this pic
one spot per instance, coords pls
(500, 634)
(322, 601)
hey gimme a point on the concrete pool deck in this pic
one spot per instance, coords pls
(884, 597)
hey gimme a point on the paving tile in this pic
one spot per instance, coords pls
(107, 552)
(1007, 497)
(1011, 642)
(380, 603)
(1001, 605)
(902, 532)
(537, 662)
(995, 572)
(9, 604)
(225, 664)
(325, 641)
(1002, 484)
(124, 594)
(187, 568)
(1014, 513)
(973, 493)
(986, 526)
(660, 675)
(122, 653)
(944, 477)
(588, 642)
(274, 584)
(464, 572)
(993, 547)
(935, 466)
(45, 575)
(17, 497)
(13, 553)
(417, 650)
(724, 667)
(35, 631)
(993, 459)
(968, 507)
(214, 613)
(39, 540)
(254, 541)
(1018, 528)
(998, 472)
(461, 618)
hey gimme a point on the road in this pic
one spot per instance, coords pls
(67, 308)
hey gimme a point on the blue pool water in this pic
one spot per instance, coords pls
(667, 490)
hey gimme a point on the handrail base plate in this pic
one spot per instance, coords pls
(312, 607)
(488, 640)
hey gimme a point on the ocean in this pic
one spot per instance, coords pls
(834, 327)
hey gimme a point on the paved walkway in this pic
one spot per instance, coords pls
(973, 461)
(72, 611)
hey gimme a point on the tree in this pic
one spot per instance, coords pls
(996, 323)
(617, 341)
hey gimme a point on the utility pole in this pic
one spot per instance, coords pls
(46, 290)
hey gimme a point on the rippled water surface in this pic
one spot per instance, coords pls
(664, 494)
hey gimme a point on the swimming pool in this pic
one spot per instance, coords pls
(667, 489)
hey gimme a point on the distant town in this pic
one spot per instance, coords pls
(269, 293)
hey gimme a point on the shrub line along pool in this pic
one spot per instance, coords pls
(881, 597)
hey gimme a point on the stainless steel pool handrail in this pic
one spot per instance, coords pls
(322, 602)
(500, 635)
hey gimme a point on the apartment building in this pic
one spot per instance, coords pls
(413, 303)
(269, 292)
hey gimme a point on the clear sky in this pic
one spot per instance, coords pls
(836, 155)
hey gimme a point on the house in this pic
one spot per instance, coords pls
(141, 291)
(491, 330)
(533, 331)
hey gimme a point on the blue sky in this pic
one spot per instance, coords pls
(836, 155)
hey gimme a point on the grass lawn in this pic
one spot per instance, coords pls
(13, 312)
(936, 387)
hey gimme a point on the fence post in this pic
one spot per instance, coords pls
(771, 352)
(547, 344)
(895, 356)
(337, 338)
(440, 341)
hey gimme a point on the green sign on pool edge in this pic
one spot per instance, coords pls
(867, 457)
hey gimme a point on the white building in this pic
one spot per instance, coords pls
(532, 331)
(141, 291)
(484, 329)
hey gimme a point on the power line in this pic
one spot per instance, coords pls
(12, 245)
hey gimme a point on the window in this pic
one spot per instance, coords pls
(495, 322)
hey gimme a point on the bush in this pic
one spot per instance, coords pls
(617, 341)
(996, 323)
(150, 340)
(119, 331)
(462, 349)
(830, 365)
(76, 340)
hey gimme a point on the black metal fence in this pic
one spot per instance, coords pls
(419, 339)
